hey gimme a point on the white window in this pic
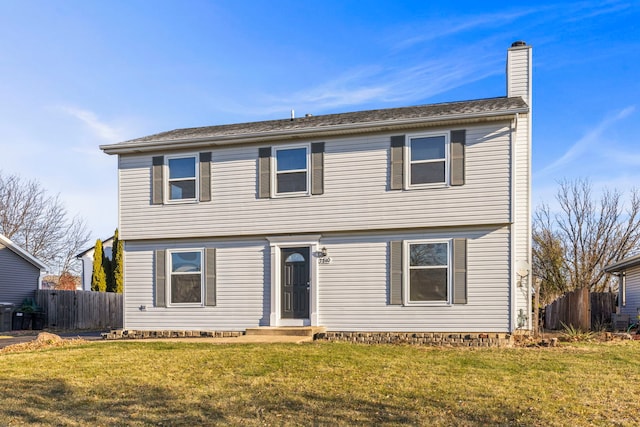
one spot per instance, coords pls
(182, 179)
(427, 164)
(291, 170)
(186, 281)
(428, 278)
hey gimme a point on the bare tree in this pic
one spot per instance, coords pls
(572, 247)
(548, 257)
(40, 224)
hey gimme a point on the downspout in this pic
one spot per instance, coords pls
(622, 301)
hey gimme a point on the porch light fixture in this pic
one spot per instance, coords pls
(323, 251)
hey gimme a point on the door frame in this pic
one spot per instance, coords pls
(276, 243)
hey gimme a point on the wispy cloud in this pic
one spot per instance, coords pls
(99, 128)
(590, 139)
(387, 83)
(589, 10)
(450, 27)
(415, 68)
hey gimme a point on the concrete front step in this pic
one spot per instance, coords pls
(292, 331)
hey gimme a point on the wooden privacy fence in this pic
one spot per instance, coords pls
(580, 309)
(80, 309)
(603, 305)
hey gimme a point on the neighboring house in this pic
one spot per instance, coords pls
(628, 272)
(400, 219)
(19, 272)
(87, 261)
(67, 282)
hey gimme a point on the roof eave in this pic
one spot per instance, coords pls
(22, 253)
(312, 132)
(623, 265)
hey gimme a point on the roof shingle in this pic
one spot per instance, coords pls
(480, 107)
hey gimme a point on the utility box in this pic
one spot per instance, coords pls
(6, 309)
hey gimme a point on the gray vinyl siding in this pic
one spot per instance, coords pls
(18, 277)
(352, 291)
(633, 293)
(242, 289)
(356, 193)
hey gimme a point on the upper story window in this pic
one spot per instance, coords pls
(186, 278)
(182, 178)
(428, 268)
(428, 159)
(292, 170)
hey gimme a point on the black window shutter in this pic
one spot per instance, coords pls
(161, 278)
(157, 181)
(210, 276)
(205, 177)
(458, 140)
(264, 173)
(459, 267)
(395, 273)
(317, 168)
(396, 166)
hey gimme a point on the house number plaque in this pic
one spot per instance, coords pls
(325, 260)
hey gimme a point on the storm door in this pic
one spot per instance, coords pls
(295, 283)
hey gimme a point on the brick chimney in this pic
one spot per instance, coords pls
(519, 71)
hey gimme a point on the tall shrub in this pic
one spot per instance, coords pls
(118, 264)
(98, 276)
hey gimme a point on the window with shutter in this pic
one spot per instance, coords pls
(433, 271)
(181, 178)
(428, 160)
(290, 170)
(185, 277)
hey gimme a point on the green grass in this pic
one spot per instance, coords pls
(143, 383)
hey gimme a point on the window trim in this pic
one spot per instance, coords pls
(168, 180)
(406, 273)
(409, 162)
(274, 170)
(169, 278)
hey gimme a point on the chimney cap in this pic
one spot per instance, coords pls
(518, 43)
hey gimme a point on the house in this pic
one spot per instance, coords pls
(86, 257)
(406, 219)
(19, 272)
(63, 282)
(628, 272)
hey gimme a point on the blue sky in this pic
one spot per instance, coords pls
(77, 74)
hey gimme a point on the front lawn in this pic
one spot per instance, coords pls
(144, 383)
